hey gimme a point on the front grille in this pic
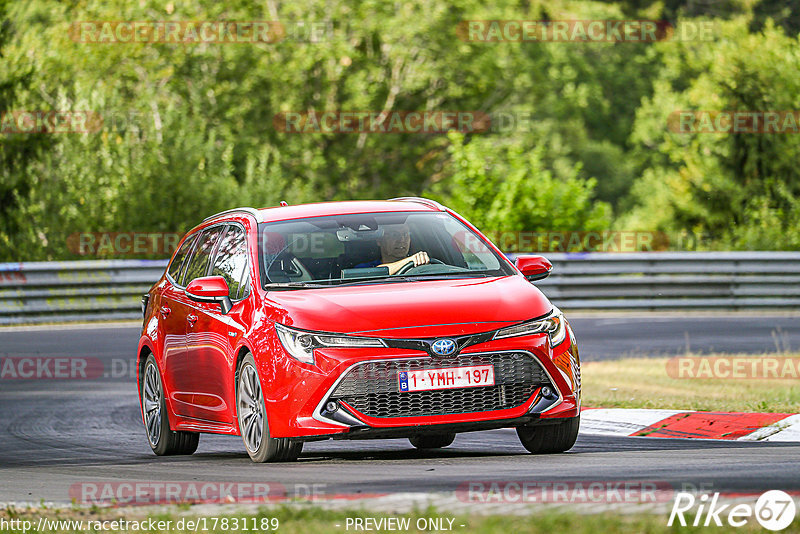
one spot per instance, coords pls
(372, 387)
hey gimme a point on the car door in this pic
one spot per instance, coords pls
(173, 307)
(181, 369)
(211, 339)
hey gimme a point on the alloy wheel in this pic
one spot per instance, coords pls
(151, 403)
(251, 408)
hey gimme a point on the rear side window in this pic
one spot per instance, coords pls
(231, 261)
(198, 265)
(174, 270)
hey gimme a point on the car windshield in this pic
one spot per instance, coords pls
(372, 248)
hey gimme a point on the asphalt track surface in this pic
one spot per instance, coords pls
(58, 433)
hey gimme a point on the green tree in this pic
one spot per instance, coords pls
(739, 189)
(17, 151)
(507, 188)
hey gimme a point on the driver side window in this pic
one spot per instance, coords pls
(198, 264)
(231, 261)
(176, 267)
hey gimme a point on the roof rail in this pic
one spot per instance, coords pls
(250, 211)
(421, 200)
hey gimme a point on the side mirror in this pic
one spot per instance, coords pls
(210, 289)
(533, 267)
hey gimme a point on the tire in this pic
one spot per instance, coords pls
(253, 423)
(432, 441)
(152, 400)
(549, 439)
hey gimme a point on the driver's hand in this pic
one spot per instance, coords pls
(420, 258)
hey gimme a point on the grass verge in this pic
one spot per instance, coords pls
(303, 519)
(646, 383)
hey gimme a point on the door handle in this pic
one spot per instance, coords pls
(192, 319)
(165, 311)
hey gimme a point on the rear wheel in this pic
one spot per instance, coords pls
(253, 424)
(162, 440)
(432, 441)
(548, 439)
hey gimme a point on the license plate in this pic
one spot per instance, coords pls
(447, 378)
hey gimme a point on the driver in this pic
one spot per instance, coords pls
(394, 245)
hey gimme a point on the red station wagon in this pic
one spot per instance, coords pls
(351, 320)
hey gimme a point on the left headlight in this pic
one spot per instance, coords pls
(554, 325)
(301, 344)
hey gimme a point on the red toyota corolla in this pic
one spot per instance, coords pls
(352, 320)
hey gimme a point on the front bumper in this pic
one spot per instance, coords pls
(441, 428)
(354, 394)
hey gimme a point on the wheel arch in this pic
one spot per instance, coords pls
(243, 351)
(145, 350)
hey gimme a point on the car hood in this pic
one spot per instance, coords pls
(412, 309)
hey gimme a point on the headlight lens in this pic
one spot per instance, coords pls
(553, 325)
(300, 344)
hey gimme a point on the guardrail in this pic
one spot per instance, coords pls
(674, 280)
(38, 292)
(102, 290)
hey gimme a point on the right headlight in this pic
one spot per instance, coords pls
(554, 325)
(301, 344)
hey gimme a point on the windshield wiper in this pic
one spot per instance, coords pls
(335, 282)
(409, 278)
(372, 279)
(453, 274)
(293, 285)
(340, 282)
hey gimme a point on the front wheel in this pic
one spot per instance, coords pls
(253, 425)
(549, 439)
(162, 440)
(432, 441)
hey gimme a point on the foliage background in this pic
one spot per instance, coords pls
(188, 128)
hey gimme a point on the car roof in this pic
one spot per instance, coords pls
(320, 209)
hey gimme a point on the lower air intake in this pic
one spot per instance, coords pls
(373, 389)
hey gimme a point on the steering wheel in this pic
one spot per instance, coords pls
(410, 265)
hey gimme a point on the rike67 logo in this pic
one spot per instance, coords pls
(774, 510)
